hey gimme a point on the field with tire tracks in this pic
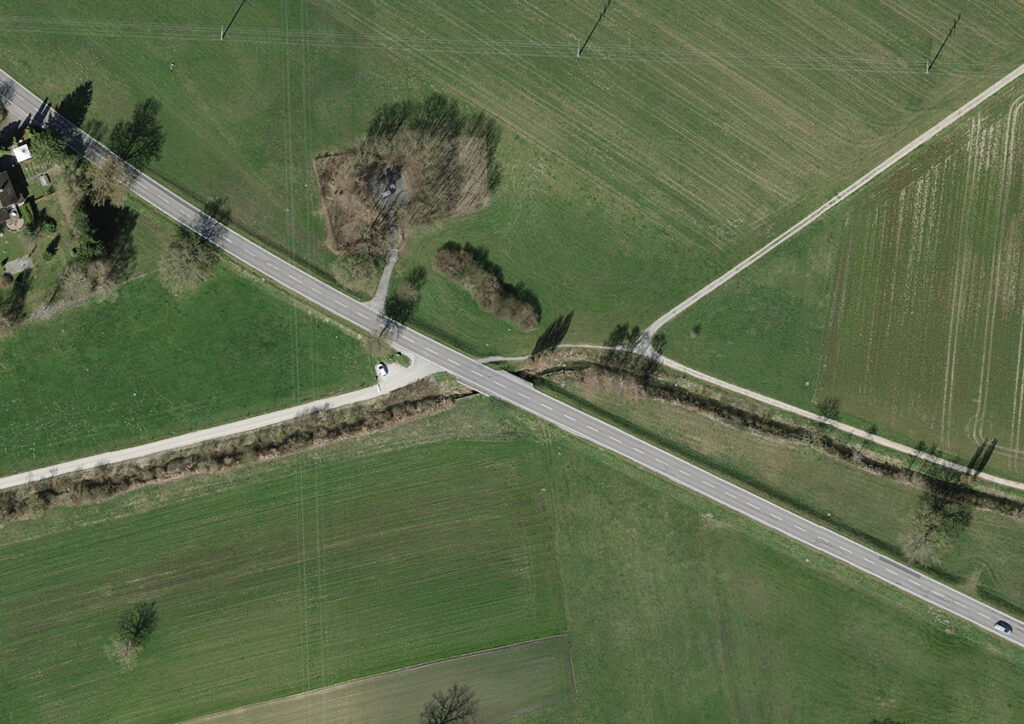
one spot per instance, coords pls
(684, 137)
(907, 304)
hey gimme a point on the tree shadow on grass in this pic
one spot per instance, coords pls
(75, 105)
(112, 228)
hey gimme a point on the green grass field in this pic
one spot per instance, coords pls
(505, 682)
(452, 534)
(145, 365)
(683, 138)
(284, 577)
(905, 304)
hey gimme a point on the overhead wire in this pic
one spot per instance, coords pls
(483, 46)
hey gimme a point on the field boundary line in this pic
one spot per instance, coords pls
(379, 675)
(403, 376)
(799, 226)
(793, 410)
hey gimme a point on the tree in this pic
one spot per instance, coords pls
(872, 431)
(458, 704)
(140, 140)
(191, 255)
(400, 304)
(658, 343)
(926, 542)
(136, 623)
(105, 183)
(829, 408)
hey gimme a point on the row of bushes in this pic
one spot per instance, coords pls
(469, 266)
(420, 398)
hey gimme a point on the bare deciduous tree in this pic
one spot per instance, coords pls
(105, 183)
(191, 255)
(457, 704)
(136, 623)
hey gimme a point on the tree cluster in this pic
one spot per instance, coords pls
(439, 116)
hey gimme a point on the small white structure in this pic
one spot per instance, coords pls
(21, 153)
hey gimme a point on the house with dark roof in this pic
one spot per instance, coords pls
(9, 195)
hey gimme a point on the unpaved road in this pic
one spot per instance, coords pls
(396, 378)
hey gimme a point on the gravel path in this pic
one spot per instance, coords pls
(839, 197)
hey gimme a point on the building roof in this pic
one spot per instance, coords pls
(21, 153)
(8, 195)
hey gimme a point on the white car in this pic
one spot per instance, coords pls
(1003, 627)
(382, 369)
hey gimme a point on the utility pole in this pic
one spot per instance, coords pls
(928, 68)
(579, 50)
(224, 29)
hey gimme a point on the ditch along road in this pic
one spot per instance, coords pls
(397, 378)
(510, 389)
(838, 198)
(791, 409)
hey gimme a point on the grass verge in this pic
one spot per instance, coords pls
(145, 364)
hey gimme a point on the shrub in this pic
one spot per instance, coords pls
(469, 266)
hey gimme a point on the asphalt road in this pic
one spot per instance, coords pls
(514, 391)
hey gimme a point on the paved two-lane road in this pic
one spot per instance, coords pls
(514, 391)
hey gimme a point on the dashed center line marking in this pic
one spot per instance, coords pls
(775, 516)
(592, 428)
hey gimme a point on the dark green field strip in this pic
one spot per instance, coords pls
(505, 681)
